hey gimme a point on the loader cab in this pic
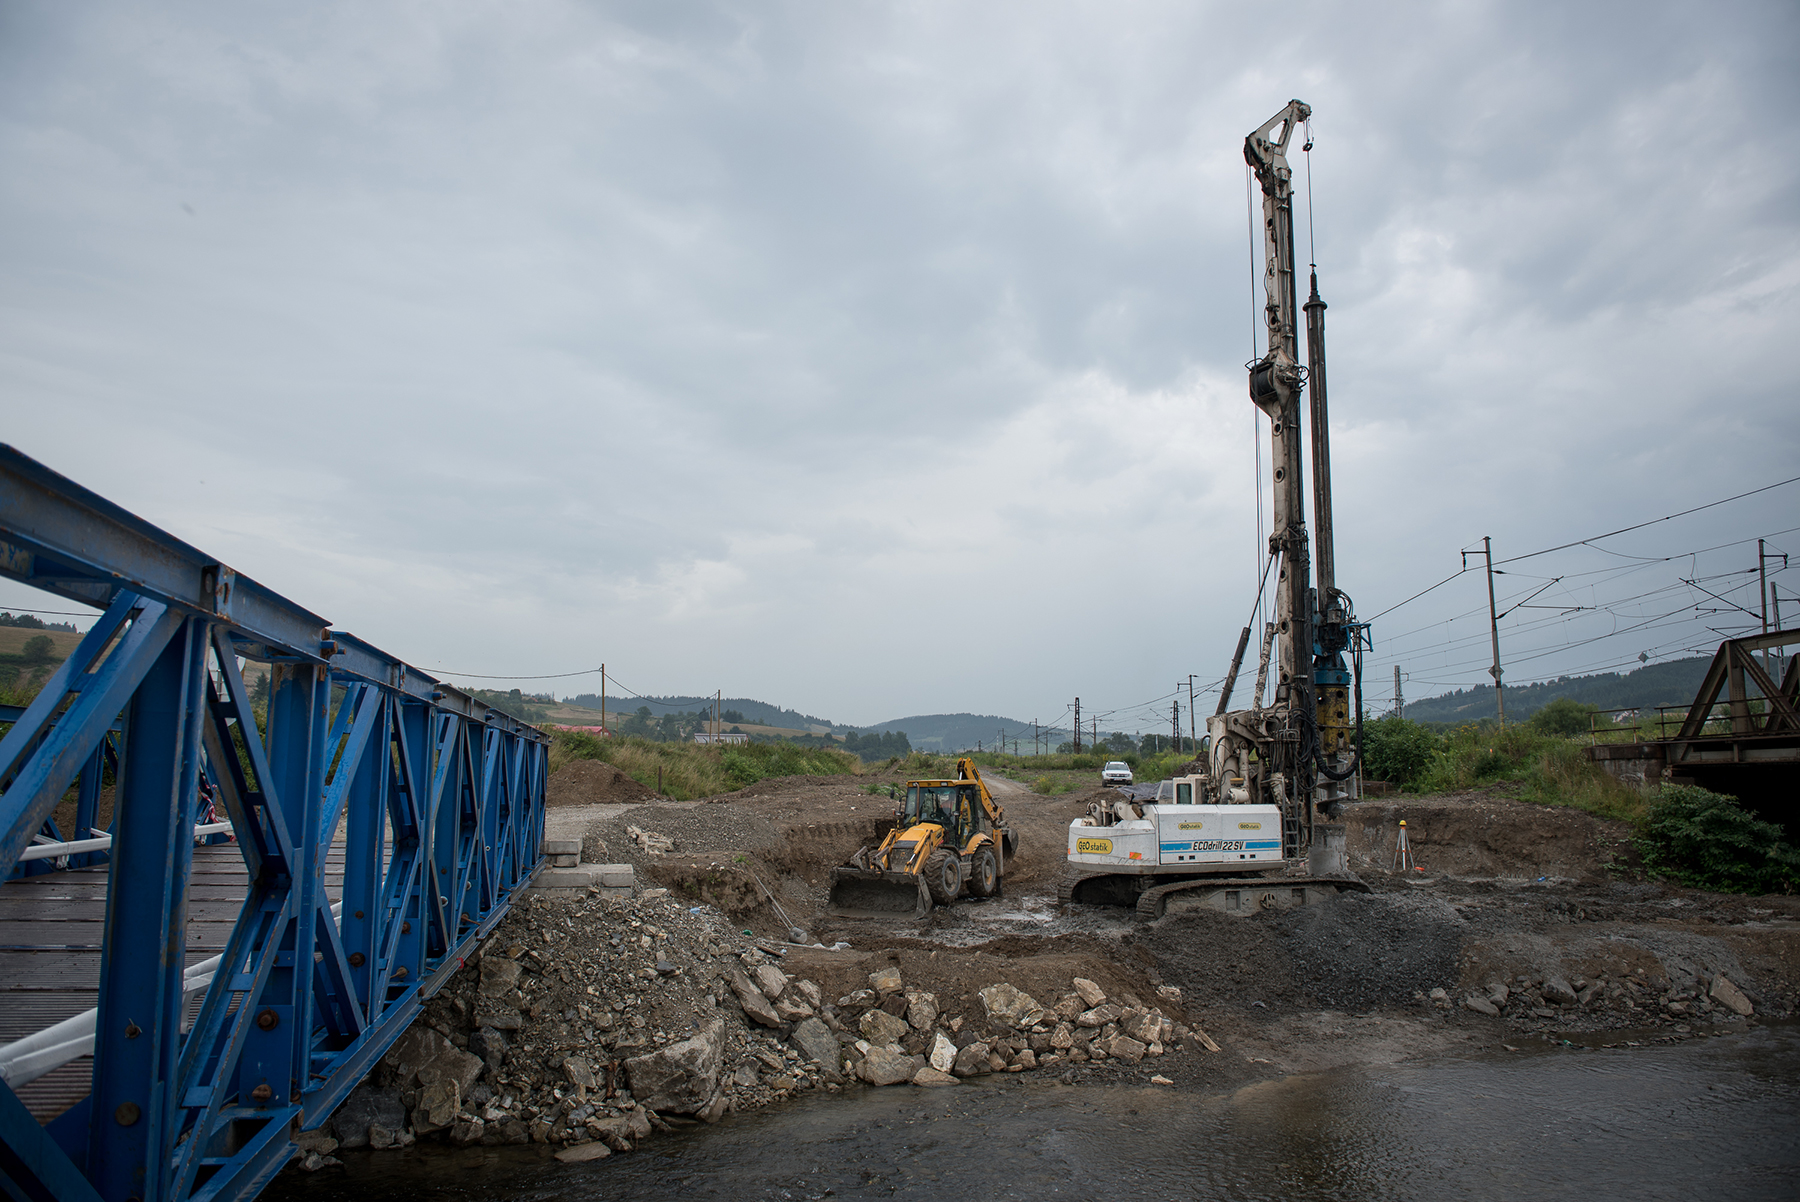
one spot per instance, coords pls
(951, 804)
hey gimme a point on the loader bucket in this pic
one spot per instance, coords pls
(871, 893)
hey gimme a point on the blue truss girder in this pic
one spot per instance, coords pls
(436, 801)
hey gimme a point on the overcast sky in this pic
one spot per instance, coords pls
(886, 359)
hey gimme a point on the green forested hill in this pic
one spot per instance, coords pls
(741, 709)
(1672, 683)
(958, 732)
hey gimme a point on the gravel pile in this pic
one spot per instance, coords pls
(1362, 950)
(714, 828)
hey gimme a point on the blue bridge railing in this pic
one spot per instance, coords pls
(434, 801)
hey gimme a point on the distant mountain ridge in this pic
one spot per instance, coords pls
(959, 732)
(1671, 683)
(760, 713)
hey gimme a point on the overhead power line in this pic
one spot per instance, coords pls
(483, 676)
(1653, 521)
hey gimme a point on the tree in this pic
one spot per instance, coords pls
(1564, 716)
(38, 649)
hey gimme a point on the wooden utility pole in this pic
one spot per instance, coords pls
(603, 698)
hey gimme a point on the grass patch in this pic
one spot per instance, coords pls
(690, 770)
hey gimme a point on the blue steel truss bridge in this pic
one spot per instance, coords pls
(218, 910)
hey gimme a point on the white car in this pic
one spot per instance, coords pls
(1116, 772)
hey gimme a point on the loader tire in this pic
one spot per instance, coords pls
(984, 874)
(943, 876)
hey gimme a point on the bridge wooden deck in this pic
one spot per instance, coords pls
(51, 928)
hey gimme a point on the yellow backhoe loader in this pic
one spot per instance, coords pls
(949, 836)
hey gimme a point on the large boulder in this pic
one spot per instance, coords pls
(1145, 1026)
(439, 1104)
(1099, 1016)
(490, 1044)
(367, 1107)
(921, 1009)
(885, 980)
(791, 1009)
(683, 1077)
(500, 1017)
(755, 1003)
(815, 1041)
(579, 1073)
(499, 976)
(1090, 993)
(943, 1053)
(1005, 1004)
(882, 1067)
(770, 980)
(881, 1028)
(1731, 997)
(1557, 992)
(972, 1061)
(423, 1055)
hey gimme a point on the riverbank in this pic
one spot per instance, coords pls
(1702, 1118)
(589, 1024)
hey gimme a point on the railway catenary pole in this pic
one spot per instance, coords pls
(1078, 726)
(1771, 609)
(1498, 673)
(1399, 697)
(1193, 737)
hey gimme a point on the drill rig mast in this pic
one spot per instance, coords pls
(1296, 752)
(1209, 841)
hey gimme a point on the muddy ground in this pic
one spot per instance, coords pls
(1536, 914)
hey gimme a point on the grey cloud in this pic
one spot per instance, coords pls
(687, 336)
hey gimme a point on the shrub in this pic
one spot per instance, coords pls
(1398, 751)
(1708, 841)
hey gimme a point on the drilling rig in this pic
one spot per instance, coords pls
(1289, 763)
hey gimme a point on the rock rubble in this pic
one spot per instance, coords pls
(589, 1024)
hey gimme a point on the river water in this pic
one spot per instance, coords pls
(1715, 1119)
